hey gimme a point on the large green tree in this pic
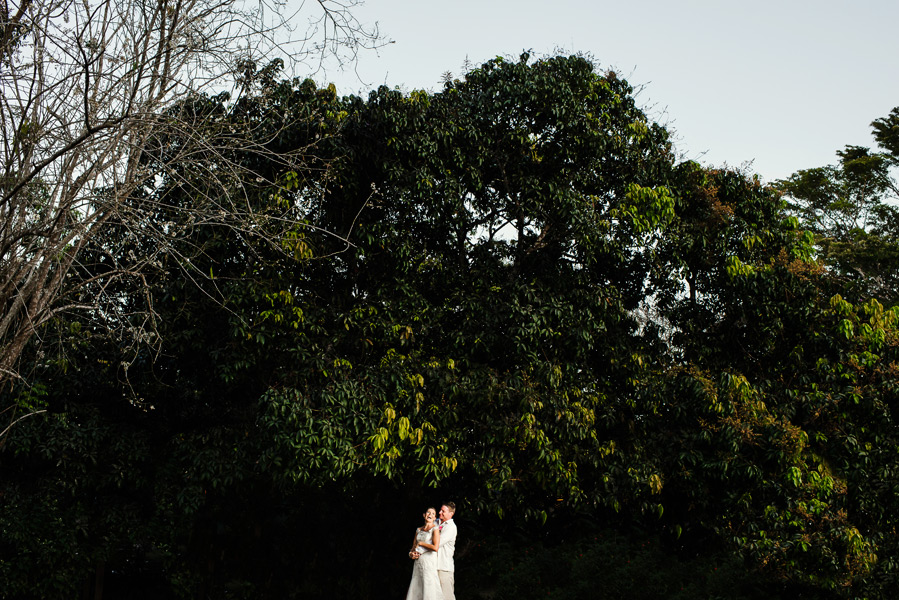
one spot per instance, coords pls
(479, 331)
(497, 234)
(506, 292)
(778, 398)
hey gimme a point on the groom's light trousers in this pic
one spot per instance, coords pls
(447, 584)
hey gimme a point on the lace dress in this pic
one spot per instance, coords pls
(425, 584)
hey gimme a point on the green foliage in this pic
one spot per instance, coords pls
(522, 303)
(783, 380)
(851, 209)
(443, 345)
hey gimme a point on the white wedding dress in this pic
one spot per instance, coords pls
(425, 584)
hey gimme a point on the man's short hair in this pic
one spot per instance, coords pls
(451, 506)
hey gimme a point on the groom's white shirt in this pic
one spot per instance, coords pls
(447, 546)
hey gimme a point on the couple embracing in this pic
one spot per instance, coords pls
(432, 550)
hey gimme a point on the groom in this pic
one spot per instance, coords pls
(445, 568)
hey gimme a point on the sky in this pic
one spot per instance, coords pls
(772, 86)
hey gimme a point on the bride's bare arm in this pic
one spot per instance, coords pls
(436, 540)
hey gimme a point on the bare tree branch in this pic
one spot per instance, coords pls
(89, 87)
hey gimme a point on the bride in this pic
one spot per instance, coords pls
(425, 584)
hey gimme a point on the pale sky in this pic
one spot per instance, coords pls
(781, 83)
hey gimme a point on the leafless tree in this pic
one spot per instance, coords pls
(88, 86)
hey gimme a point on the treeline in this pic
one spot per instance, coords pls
(509, 293)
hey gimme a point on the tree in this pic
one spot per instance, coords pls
(537, 312)
(484, 333)
(90, 90)
(183, 409)
(850, 207)
(436, 350)
(478, 333)
(778, 435)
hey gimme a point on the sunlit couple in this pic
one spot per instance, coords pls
(433, 576)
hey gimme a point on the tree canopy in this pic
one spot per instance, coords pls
(851, 208)
(508, 292)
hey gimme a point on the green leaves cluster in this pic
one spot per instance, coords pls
(507, 292)
(850, 207)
